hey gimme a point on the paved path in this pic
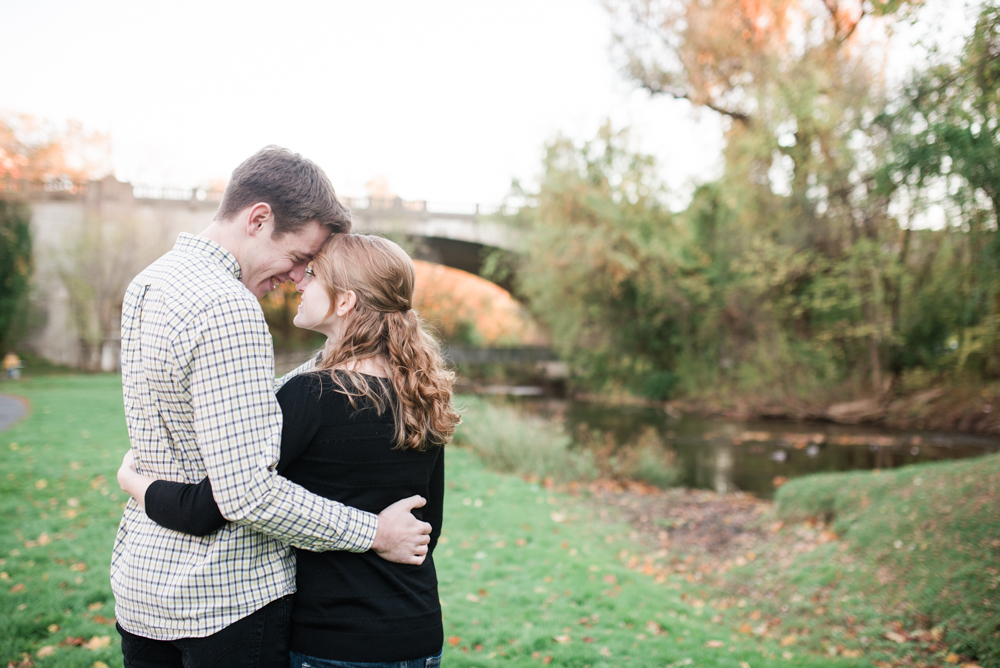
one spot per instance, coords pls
(12, 409)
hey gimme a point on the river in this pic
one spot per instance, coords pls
(754, 456)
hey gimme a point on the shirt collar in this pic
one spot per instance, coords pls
(191, 243)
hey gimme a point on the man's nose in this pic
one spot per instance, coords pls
(297, 273)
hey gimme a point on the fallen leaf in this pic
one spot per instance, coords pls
(951, 658)
(16, 588)
(605, 651)
(472, 598)
(789, 640)
(78, 566)
(851, 653)
(715, 643)
(101, 619)
(895, 637)
(454, 640)
(547, 660)
(48, 650)
(73, 641)
(587, 639)
(561, 639)
(744, 664)
(52, 628)
(97, 642)
(100, 664)
(41, 483)
(95, 606)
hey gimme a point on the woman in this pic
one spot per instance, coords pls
(365, 429)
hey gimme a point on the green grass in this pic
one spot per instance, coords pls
(528, 576)
(926, 546)
(60, 506)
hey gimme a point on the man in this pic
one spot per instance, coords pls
(198, 380)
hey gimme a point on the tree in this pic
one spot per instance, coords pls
(15, 266)
(35, 152)
(944, 148)
(606, 266)
(96, 261)
(800, 83)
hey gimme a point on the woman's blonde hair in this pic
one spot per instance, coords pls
(384, 325)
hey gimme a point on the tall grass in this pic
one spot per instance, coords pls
(510, 441)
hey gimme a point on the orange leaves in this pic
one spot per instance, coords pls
(454, 640)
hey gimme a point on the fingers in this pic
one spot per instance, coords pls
(415, 501)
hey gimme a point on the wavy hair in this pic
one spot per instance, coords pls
(383, 325)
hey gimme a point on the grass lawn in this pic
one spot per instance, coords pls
(529, 576)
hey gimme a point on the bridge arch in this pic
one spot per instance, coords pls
(446, 235)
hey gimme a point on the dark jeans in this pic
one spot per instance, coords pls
(303, 661)
(259, 640)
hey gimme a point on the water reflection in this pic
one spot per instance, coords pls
(755, 456)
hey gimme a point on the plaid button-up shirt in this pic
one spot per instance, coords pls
(198, 379)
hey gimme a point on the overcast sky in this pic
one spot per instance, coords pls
(449, 100)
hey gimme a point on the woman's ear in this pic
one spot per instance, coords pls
(346, 301)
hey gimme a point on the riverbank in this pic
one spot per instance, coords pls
(900, 567)
(970, 409)
(961, 408)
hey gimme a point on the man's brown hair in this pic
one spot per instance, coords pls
(297, 190)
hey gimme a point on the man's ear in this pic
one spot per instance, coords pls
(258, 217)
(346, 302)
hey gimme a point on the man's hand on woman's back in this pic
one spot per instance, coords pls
(401, 537)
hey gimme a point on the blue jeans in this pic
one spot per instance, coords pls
(303, 661)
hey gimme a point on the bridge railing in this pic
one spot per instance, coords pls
(370, 205)
(143, 191)
(44, 189)
(399, 206)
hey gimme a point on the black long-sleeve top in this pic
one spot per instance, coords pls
(351, 607)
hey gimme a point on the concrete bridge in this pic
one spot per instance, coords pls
(454, 236)
(100, 234)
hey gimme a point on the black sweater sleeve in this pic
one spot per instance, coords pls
(190, 508)
(434, 512)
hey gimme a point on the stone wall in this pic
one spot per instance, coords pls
(138, 230)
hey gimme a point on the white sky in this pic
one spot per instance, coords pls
(448, 99)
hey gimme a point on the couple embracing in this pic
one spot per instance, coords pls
(328, 481)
